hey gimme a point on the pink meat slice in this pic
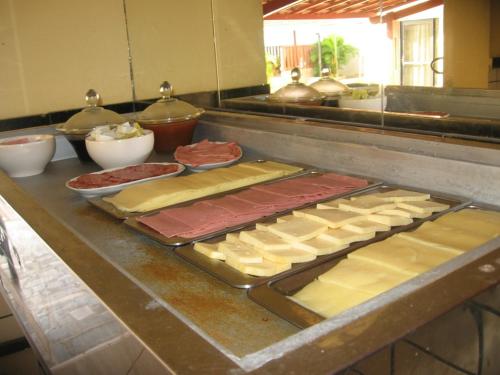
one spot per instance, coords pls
(167, 226)
(256, 202)
(206, 152)
(196, 215)
(122, 175)
(344, 180)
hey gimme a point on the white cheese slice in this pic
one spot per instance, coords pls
(363, 276)
(389, 220)
(405, 213)
(233, 237)
(402, 255)
(264, 240)
(298, 229)
(401, 195)
(366, 226)
(334, 218)
(240, 251)
(367, 205)
(265, 268)
(331, 204)
(320, 246)
(342, 236)
(282, 219)
(209, 249)
(262, 226)
(291, 255)
(424, 206)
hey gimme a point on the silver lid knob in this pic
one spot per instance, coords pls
(165, 90)
(325, 72)
(295, 74)
(92, 98)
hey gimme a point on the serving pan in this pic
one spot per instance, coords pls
(180, 241)
(120, 214)
(238, 279)
(273, 294)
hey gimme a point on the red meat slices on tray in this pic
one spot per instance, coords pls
(213, 215)
(122, 175)
(206, 152)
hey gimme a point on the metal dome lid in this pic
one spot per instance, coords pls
(168, 110)
(329, 86)
(90, 117)
(296, 92)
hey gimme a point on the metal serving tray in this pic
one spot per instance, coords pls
(119, 214)
(180, 241)
(238, 279)
(273, 294)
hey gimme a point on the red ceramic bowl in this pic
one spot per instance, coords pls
(170, 135)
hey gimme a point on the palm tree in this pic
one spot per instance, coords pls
(334, 54)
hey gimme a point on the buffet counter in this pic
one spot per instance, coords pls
(93, 296)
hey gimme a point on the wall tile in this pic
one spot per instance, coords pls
(171, 40)
(63, 49)
(240, 43)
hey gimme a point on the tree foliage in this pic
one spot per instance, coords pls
(344, 53)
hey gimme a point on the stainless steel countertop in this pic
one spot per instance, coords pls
(191, 320)
(224, 313)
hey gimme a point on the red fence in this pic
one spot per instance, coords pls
(291, 56)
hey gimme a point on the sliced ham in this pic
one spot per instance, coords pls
(213, 215)
(122, 175)
(206, 152)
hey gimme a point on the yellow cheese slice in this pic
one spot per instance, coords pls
(405, 213)
(239, 251)
(298, 229)
(209, 249)
(367, 205)
(389, 220)
(329, 299)
(265, 240)
(366, 226)
(363, 276)
(319, 246)
(265, 268)
(271, 166)
(333, 218)
(342, 236)
(401, 195)
(402, 255)
(424, 206)
(331, 204)
(291, 255)
(446, 238)
(162, 193)
(480, 221)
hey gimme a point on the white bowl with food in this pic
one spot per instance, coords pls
(27, 155)
(118, 146)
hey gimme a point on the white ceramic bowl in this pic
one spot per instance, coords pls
(27, 155)
(121, 152)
